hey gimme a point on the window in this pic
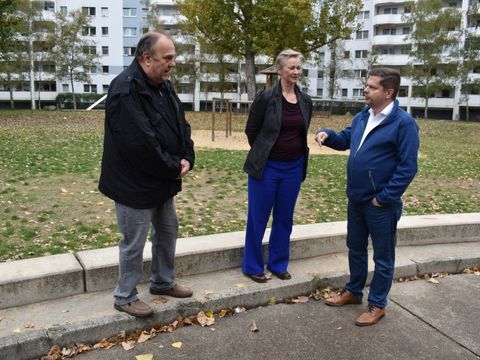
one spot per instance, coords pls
(104, 11)
(320, 93)
(129, 12)
(104, 31)
(89, 31)
(360, 73)
(144, 30)
(346, 55)
(363, 15)
(88, 10)
(65, 87)
(128, 51)
(403, 91)
(406, 30)
(129, 31)
(104, 50)
(344, 92)
(89, 88)
(105, 69)
(357, 93)
(407, 10)
(305, 72)
(91, 69)
(105, 88)
(390, 10)
(49, 6)
(362, 34)
(63, 10)
(320, 74)
(90, 50)
(389, 32)
(361, 54)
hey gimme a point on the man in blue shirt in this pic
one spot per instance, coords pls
(383, 142)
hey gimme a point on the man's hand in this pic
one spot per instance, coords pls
(321, 137)
(376, 203)
(185, 168)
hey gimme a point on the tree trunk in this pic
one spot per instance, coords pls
(332, 71)
(250, 71)
(73, 94)
(425, 110)
(32, 75)
(10, 90)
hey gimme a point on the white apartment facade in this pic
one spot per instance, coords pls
(117, 26)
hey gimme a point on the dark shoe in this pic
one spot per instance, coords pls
(284, 275)
(370, 316)
(135, 308)
(344, 298)
(259, 278)
(177, 291)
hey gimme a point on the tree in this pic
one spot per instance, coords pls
(9, 20)
(469, 58)
(152, 19)
(434, 39)
(73, 55)
(247, 28)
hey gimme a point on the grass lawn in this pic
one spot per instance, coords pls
(49, 168)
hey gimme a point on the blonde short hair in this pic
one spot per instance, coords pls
(285, 55)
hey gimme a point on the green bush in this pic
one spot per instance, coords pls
(84, 100)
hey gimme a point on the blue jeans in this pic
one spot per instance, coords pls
(278, 190)
(134, 224)
(380, 223)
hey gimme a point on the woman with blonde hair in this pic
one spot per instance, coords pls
(276, 165)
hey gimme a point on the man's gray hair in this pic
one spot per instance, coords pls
(147, 43)
(285, 55)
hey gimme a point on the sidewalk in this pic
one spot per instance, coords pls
(31, 290)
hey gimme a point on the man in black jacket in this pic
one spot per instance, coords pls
(147, 151)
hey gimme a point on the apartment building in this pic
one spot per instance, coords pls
(117, 26)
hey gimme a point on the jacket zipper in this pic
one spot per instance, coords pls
(371, 180)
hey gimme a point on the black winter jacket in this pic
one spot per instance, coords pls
(143, 144)
(264, 124)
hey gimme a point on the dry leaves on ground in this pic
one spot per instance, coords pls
(253, 327)
(144, 357)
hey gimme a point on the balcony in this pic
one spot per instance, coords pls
(393, 60)
(388, 19)
(388, 2)
(389, 40)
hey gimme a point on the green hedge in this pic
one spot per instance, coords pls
(84, 100)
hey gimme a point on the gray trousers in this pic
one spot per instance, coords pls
(134, 225)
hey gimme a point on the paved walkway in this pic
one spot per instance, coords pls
(423, 321)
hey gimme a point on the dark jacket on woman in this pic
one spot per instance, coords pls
(144, 141)
(264, 124)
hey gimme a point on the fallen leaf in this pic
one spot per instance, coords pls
(476, 273)
(240, 285)
(240, 309)
(100, 203)
(105, 344)
(222, 313)
(253, 327)
(29, 325)
(205, 320)
(208, 292)
(144, 336)
(144, 357)
(272, 301)
(300, 300)
(161, 300)
(433, 280)
(1, 318)
(210, 313)
(128, 345)
(17, 330)
(339, 328)
(177, 344)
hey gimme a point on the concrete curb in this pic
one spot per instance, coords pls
(51, 277)
(95, 318)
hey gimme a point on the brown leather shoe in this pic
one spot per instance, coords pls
(370, 316)
(177, 291)
(135, 308)
(344, 298)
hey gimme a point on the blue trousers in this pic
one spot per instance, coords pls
(134, 224)
(278, 190)
(380, 223)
